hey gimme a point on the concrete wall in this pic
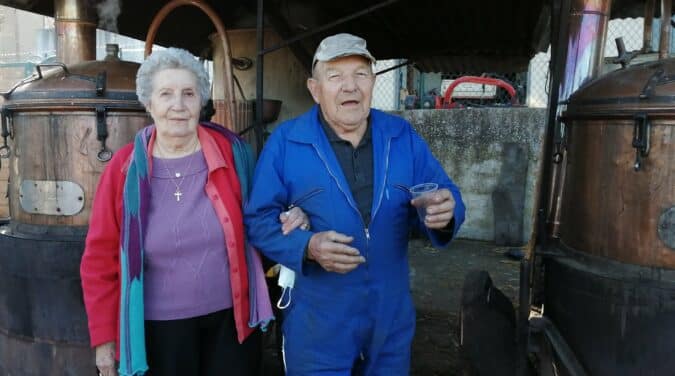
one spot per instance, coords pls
(470, 143)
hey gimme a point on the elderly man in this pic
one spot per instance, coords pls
(348, 166)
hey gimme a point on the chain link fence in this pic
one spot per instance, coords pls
(386, 94)
(531, 87)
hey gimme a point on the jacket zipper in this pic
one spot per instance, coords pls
(305, 197)
(346, 195)
(384, 183)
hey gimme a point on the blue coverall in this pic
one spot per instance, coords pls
(361, 322)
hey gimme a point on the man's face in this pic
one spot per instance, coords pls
(344, 88)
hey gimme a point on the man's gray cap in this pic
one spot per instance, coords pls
(340, 45)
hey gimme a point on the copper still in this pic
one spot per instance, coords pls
(621, 191)
(610, 280)
(60, 127)
(65, 123)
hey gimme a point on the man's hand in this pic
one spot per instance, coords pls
(292, 219)
(440, 208)
(330, 250)
(105, 359)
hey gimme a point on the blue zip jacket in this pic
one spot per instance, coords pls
(297, 167)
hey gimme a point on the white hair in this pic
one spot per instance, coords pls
(170, 58)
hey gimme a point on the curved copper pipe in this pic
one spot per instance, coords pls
(229, 83)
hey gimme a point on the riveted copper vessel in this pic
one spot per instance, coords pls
(610, 280)
(620, 178)
(66, 122)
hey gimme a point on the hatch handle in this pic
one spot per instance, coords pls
(34, 77)
(38, 68)
(623, 57)
(105, 154)
(641, 139)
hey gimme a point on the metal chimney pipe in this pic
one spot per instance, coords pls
(585, 52)
(75, 24)
(586, 43)
(664, 36)
(649, 21)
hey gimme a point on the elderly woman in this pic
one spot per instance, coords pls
(168, 278)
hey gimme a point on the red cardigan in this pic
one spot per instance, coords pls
(100, 266)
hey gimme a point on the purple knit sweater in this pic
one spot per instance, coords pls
(186, 266)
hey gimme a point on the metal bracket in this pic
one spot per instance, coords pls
(656, 79)
(105, 154)
(101, 81)
(641, 138)
(5, 151)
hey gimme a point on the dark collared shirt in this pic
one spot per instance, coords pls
(357, 166)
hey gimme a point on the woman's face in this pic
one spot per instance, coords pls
(175, 103)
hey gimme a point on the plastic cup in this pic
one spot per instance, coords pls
(423, 190)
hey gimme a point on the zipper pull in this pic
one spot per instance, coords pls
(367, 234)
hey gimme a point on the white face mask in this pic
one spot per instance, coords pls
(286, 282)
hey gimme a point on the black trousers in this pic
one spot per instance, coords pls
(200, 346)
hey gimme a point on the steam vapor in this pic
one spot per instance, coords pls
(108, 11)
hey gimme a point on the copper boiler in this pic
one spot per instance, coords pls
(65, 123)
(60, 127)
(620, 185)
(609, 283)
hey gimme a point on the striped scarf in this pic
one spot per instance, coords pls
(135, 213)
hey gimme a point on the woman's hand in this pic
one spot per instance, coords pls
(292, 219)
(105, 359)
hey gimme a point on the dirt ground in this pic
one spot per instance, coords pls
(436, 278)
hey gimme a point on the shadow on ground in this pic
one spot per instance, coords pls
(436, 279)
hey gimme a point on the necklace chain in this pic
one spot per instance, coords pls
(178, 193)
